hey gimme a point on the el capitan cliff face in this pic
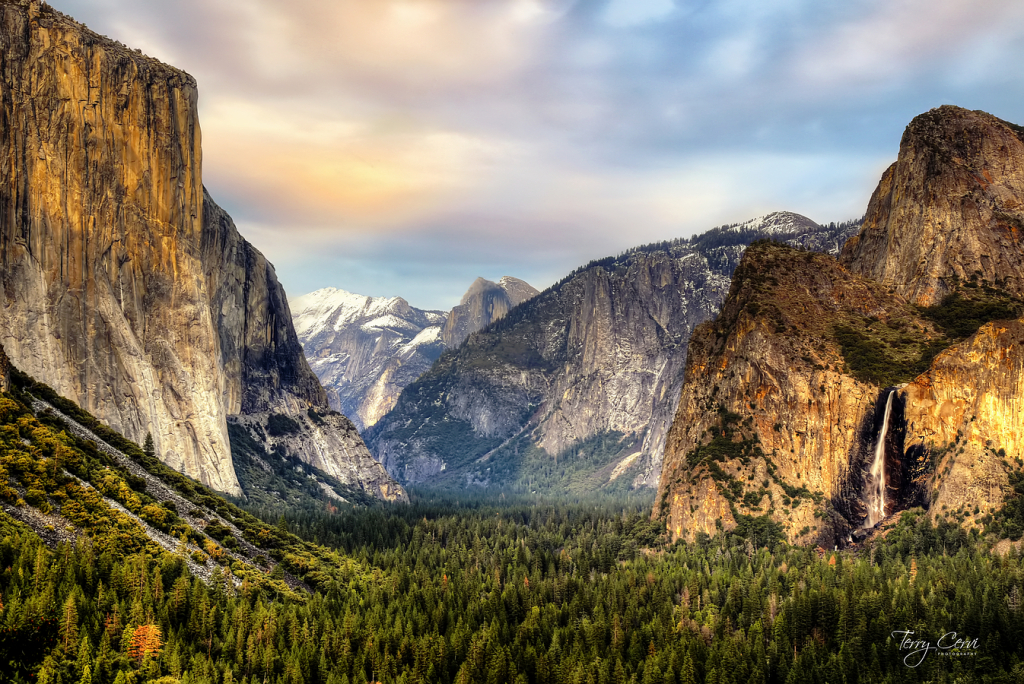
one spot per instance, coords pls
(101, 227)
(124, 287)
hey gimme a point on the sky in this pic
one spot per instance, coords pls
(405, 147)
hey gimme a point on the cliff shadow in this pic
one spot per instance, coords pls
(904, 486)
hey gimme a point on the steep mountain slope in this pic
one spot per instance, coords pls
(123, 287)
(827, 401)
(366, 350)
(951, 209)
(587, 372)
(70, 478)
(484, 303)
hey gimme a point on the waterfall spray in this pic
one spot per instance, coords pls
(876, 492)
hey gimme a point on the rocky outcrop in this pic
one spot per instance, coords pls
(124, 286)
(483, 303)
(326, 440)
(951, 209)
(966, 415)
(365, 350)
(768, 402)
(789, 387)
(600, 353)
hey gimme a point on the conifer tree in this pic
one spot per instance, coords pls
(69, 624)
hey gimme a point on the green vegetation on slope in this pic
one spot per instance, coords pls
(889, 353)
(87, 492)
(529, 595)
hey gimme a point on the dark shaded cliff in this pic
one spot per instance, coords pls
(5, 371)
(262, 359)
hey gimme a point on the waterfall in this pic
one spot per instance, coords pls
(876, 490)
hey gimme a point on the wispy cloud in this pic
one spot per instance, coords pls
(379, 145)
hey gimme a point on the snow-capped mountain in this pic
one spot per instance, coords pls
(365, 350)
(777, 223)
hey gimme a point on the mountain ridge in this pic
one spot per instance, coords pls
(366, 350)
(601, 352)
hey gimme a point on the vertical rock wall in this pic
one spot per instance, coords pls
(964, 410)
(262, 359)
(101, 209)
(951, 208)
(124, 286)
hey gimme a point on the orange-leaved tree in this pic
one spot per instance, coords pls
(146, 643)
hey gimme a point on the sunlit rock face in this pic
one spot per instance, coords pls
(951, 208)
(104, 291)
(771, 360)
(945, 216)
(964, 410)
(124, 286)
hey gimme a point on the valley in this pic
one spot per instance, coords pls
(775, 451)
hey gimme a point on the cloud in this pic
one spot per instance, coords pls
(396, 139)
(381, 172)
(632, 12)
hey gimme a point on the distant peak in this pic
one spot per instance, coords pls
(479, 286)
(778, 222)
(517, 290)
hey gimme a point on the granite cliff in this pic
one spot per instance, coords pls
(124, 288)
(949, 210)
(484, 303)
(366, 350)
(581, 379)
(786, 403)
(771, 419)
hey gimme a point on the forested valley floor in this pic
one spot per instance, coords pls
(471, 589)
(465, 591)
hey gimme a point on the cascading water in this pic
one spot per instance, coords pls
(876, 490)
